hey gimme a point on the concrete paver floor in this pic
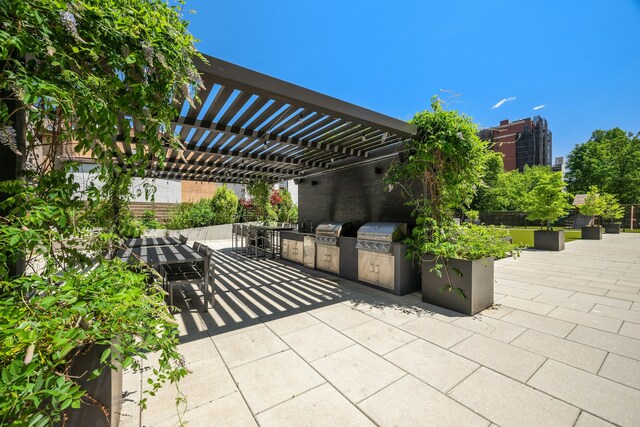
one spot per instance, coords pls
(289, 346)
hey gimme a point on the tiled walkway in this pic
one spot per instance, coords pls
(293, 347)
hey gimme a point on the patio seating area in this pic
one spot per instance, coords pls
(285, 345)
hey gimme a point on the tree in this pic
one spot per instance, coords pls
(224, 205)
(612, 209)
(285, 207)
(547, 201)
(81, 73)
(440, 174)
(260, 192)
(610, 159)
(593, 204)
(488, 198)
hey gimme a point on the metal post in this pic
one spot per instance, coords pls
(632, 211)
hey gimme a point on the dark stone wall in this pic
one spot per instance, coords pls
(355, 194)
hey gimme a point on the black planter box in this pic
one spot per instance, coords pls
(592, 233)
(474, 278)
(107, 389)
(548, 240)
(612, 228)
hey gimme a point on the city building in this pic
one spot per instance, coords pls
(559, 165)
(522, 142)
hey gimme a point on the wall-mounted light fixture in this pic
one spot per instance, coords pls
(314, 183)
(377, 170)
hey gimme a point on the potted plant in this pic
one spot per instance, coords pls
(546, 202)
(457, 268)
(74, 80)
(612, 211)
(439, 173)
(593, 206)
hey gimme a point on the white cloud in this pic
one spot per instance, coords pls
(538, 107)
(502, 101)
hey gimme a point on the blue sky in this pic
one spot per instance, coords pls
(580, 59)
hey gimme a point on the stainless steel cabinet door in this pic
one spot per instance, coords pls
(309, 252)
(328, 258)
(376, 268)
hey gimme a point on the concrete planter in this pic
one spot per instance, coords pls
(612, 228)
(474, 278)
(548, 240)
(592, 233)
(106, 389)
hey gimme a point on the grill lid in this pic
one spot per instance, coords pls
(333, 229)
(382, 231)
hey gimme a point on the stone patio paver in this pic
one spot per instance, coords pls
(316, 341)
(267, 382)
(630, 330)
(227, 411)
(621, 369)
(437, 332)
(504, 358)
(568, 352)
(536, 322)
(492, 328)
(519, 405)
(440, 368)
(413, 403)
(320, 406)
(612, 401)
(615, 343)
(586, 319)
(378, 337)
(245, 347)
(587, 420)
(357, 372)
(340, 316)
(247, 368)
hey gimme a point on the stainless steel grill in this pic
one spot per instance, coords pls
(376, 263)
(378, 236)
(327, 250)
(327, 233)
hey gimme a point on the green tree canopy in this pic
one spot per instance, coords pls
(612, 209)
(593, 204)
(224, 205)
(546, 201)
(610, 159)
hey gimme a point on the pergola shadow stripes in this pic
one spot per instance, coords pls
(252, 126)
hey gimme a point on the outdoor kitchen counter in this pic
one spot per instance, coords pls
(406, 274)
(295, 235)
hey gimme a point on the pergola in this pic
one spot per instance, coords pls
(252, 126)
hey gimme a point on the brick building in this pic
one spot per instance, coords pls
(523, 142)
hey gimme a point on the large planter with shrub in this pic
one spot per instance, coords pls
(106, 389)
(548, 240)
(592, 233)
(612, 228)
(470, 289)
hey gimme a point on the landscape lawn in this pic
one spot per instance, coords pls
(524, 236)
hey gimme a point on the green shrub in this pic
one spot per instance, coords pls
(190, 215)
(149, 220)
(129, 226)
(224, 205)
(612, 209)
(285, 209)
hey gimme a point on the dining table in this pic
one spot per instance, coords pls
(157, 256)
(151, 241)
